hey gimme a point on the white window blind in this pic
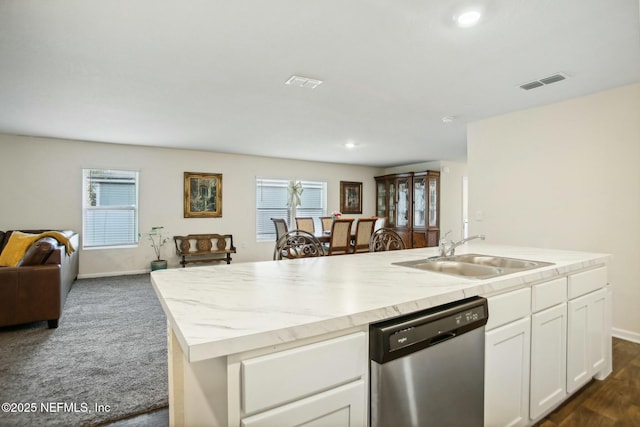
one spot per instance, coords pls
(271, 202)
(110, 208)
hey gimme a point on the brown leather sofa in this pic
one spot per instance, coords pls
(37, 288)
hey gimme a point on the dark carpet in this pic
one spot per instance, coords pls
(107, 359)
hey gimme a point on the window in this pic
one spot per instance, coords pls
(109, 208)
(271, 202)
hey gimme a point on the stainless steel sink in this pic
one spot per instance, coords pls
(474, 266)
(453, 267)
(495, 261)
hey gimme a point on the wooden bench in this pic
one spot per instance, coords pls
(204, 248)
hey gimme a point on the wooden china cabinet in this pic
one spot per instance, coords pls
(411, 203)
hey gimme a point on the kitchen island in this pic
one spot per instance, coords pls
(257, 343)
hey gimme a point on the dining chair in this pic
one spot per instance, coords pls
(306, 224)
(326, 222)
(297, 244)
(381, 221)
(281, 227)
(364, 230)
(340, 240)
(385, 239)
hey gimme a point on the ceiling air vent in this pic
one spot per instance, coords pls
(552, 79)
(531, 85)
(544, 81)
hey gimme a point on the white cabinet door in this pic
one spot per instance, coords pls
(548, 359)
(586, 338)
(597, 335)
(607, 367)
(344, 406)
(577, 343)
(507, 357)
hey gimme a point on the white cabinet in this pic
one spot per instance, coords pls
(587, 338)
(548, 346)
(608, 314)
(543, 343)
(319, 384)
(507, 359)
(588, 330)
(316, 381)
(548, 359)
(506, 399)
(339, 407)
(587, 282)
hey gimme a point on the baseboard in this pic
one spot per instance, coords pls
(111, 274)
(626, 335)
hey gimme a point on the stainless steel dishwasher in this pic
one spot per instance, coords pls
(427, 368)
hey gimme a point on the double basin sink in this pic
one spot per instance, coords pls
(474, 266)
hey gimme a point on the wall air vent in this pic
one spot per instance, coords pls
(557, 77)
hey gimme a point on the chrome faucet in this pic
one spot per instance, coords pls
(442, 246)
(452, 249)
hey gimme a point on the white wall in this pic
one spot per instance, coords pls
(451, 174)
(565, 176)
(42, 189)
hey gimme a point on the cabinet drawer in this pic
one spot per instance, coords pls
(341, 406)
(587, 281)
(548, 294)
(507, 307)
(277, 378)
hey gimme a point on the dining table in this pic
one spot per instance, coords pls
(325, 236)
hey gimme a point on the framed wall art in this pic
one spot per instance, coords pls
(202, 195)
(350, 197)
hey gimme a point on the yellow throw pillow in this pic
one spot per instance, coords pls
(16, 247)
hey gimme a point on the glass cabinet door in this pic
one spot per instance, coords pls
(404, 200)
(381, 203)
(433, 202)
(419, 202)
(392, 203)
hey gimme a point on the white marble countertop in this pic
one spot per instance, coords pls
(225, 309)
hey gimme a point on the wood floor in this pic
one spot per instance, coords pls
(612, 402)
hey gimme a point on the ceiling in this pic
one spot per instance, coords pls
(210, 74)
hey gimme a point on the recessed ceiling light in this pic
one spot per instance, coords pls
(448, 119)
(350, 145)
(305, 82)
(468, 19)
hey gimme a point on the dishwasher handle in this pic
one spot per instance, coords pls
(443, 337)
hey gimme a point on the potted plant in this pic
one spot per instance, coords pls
(157, 242)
